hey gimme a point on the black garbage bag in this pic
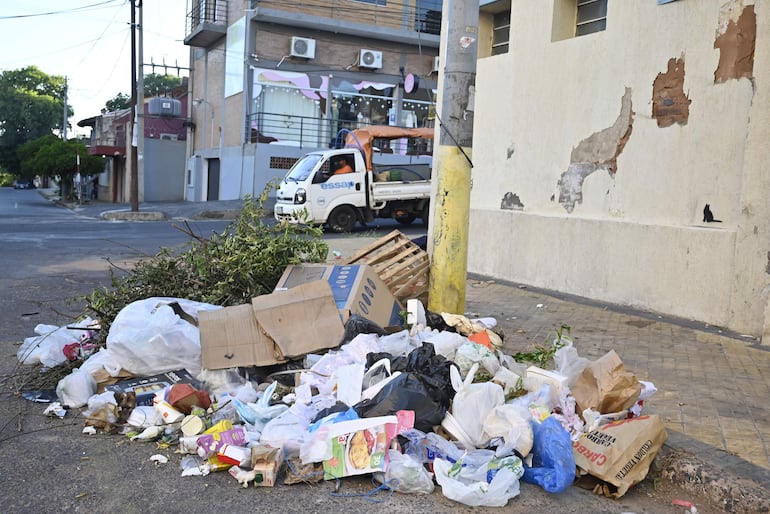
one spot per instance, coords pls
(357, 324)
(405, 392)
(337, 407)
(424, 387)
(436, 322)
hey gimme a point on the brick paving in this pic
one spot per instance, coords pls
(713, 386)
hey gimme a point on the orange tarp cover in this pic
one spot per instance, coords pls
(365, 136)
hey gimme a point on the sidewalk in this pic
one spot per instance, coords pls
(713, 385)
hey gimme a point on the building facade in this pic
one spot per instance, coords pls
(272, 80)
(620, 153)
(162, 177)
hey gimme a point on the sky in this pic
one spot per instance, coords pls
(89, 42)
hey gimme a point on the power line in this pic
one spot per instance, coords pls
(64, 11)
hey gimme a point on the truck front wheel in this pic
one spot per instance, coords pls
(342, 219)
(406, 219)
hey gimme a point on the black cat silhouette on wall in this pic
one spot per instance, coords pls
(708, 216)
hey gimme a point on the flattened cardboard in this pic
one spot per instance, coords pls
(300, 320)
(357, 289)
(272, 329)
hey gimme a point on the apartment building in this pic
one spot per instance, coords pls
(272, 79)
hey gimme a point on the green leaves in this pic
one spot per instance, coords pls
(544, 353)
(246, 260)
(31, 105)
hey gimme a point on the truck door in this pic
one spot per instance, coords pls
(334, 184)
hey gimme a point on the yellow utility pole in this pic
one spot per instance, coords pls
(450, 203)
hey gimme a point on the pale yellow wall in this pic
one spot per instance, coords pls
(637, 237)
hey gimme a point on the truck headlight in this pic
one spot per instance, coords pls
(300, 196)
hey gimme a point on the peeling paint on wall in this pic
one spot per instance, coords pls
(669, 102)
(735, 40)
(599, 151)
(511, 202)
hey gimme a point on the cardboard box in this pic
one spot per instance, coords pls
(357, 289)
(267, 462)
(621, 452)
(146, 387)
(272, 329)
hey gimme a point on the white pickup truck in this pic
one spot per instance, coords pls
(317, 191)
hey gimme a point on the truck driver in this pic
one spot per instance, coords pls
(341, 165)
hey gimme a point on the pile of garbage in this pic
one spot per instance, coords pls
(284, 389)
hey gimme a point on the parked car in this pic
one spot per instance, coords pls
(23, 184)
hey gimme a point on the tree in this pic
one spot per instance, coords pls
(31, 104)
(118, 102)
(155, 84)
(53, 157)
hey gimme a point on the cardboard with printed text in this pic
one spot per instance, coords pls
(620, 453)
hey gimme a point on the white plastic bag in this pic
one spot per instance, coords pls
(569, 363)
(510, 423)
(406, 474)
(470, 353)
(349, 382)
(444, 342)
(75, 389)
(467, 487)
(399, 343)
(287, 431)
(148, 338)
(473, 403)
(360, 347)
(47, 347)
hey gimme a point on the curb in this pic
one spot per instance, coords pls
(728, 482)
(124, 215)
(218, 215)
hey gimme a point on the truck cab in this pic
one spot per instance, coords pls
(317, 185)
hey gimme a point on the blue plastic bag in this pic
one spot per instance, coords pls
(553, 463)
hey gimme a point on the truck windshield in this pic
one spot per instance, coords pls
(302, 168)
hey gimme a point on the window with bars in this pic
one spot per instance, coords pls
(591, 16)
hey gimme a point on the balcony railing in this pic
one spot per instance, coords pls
(206, 22)
(312, 132)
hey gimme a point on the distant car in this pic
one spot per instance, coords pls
(23, 184)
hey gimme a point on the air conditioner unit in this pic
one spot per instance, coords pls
(436, 64)
(369, 59)
(303, 47)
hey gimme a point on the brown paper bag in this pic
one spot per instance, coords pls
(606, 386)
(620, 453)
